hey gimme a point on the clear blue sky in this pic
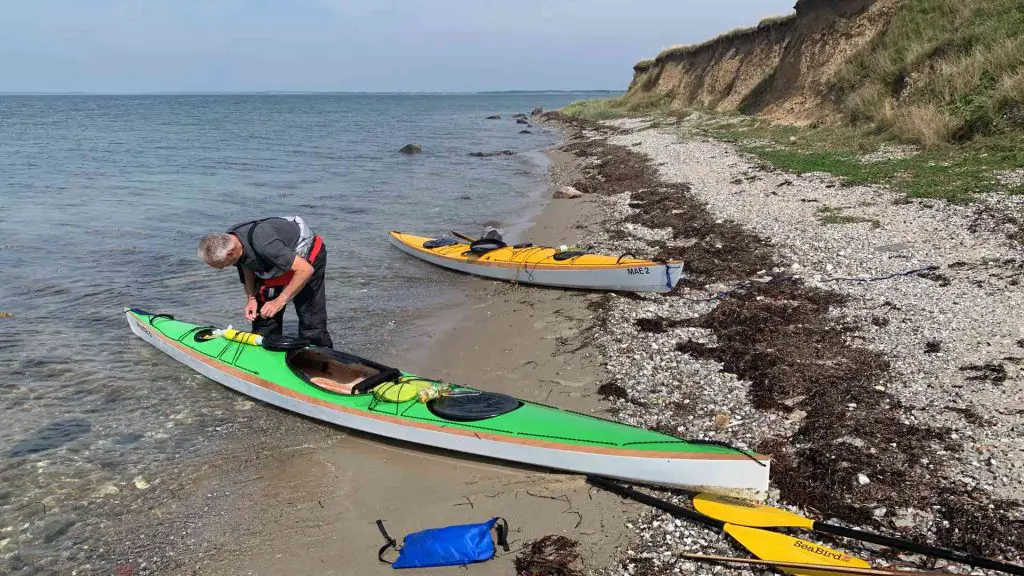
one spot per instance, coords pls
(115, 46)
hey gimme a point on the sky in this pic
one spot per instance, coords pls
(138, 46)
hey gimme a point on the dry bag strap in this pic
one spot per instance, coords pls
(252, 230)
(391, 543)
(285, 279)
(501, 527)
(314, 251)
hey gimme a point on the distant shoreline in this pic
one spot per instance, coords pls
(313, 93)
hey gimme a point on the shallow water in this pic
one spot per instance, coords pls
(102, 202)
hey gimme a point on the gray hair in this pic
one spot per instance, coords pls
(215, 248)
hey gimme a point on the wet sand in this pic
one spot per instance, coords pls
(311, 507)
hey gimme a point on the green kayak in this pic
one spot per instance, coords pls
(360, 394)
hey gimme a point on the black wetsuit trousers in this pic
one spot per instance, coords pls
(310, 305)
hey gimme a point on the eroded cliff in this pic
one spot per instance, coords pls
(781, 68)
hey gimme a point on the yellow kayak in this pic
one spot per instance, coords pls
(546, 266)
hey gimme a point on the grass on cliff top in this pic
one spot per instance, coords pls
(683, 49)
(952, 173)
(644, 65)
(941, 71)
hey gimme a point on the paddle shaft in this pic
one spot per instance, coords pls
(800, 565)
(675, 510)
(463, 237)
(925, 549)
(629, 492)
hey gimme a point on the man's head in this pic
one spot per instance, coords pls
(220, 250)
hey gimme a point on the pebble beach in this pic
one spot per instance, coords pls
(920, 435)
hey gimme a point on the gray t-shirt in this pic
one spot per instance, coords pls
(273, 246)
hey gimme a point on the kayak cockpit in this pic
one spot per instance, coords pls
(338, 372)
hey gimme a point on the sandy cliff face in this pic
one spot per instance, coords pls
(779, 69)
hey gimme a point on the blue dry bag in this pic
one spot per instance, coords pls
(449, 546)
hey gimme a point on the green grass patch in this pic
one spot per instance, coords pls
(646, 104)
(594, 110)
(952, 173)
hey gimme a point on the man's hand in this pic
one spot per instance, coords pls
(272, 307)
(250, 309)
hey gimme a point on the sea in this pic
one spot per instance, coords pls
(103, 200)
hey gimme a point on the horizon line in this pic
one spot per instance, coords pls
(302, 92)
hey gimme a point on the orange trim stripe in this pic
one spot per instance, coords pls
(447, 430)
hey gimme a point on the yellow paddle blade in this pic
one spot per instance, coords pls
(746, 513)
(782, 548)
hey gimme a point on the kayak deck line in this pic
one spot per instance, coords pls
(605, 447)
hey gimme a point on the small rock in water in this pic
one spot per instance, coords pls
(494, 117)
(495, 153)
(522, 121)
(567, 192)
(863, 480)
(107, 490)
(128, 439)
(141, 483)
(411, 149)
(537, 111)
(53, 529)
(9, 315)
(525, 132)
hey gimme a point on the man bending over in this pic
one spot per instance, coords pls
(279, 260)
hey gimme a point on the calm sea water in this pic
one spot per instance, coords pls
(102, 202)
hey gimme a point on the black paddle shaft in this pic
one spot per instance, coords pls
(673, 509)
(925, 549)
